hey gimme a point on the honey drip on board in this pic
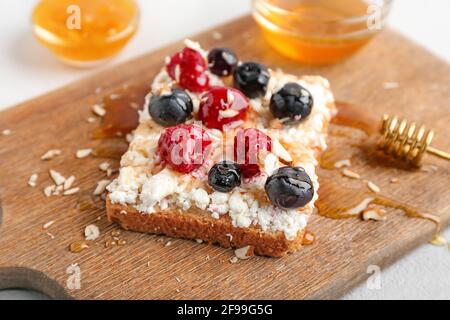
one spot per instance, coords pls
(120, 119)
(339, 202)
(121, 112)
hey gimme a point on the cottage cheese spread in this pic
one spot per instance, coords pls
(143, 185)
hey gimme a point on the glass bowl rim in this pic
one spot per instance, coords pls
(386, 6)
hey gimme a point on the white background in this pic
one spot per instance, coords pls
(27, 70)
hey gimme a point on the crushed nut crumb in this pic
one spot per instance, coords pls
(244, 253)
(199, 240)
(373, 187)
(121, 242)
(394, 180)
(91, 232)
(57, 177)
(48, 224)
(6, 132)
(104, 166)
(50, 154)
(50, 235)
(91, 120)
(217, 36)
(390, 85)
(48, 191)
(350, 174)
(32, 181)
(234, 259)
(98, 110)
(101, 187)
(342, 163)
(68, 183)
(83, 153)
(169, 243)
(71, 192)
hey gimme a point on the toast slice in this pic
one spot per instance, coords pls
(150, 197)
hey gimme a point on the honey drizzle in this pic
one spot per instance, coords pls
(339, 202)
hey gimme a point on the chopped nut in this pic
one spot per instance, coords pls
(101, 187)
(71, 191)
(33, 180)
(234, 259)
(69, 182)
(342, 163)
(373, 187)
(244, 253)
(429, 168)
(394, 180)
(83, 153)
(48, 224)
(104, 166)
(134, 105)
(177, 279)
(91, 232)
(217, 35)
(50, 154)
(6, 132)
(50, 235)
(123, 212)
(91, 120)
(350, 174)
(48, 191)
(57, 177)
(78, 246)
(280, 151)
(169, 243)
(98, 110)
(390, 85)
(199, 240)
(438, 240)
(374, 214)
(121, 242)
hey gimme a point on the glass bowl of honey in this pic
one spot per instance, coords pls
(320, 32)
(85, 33)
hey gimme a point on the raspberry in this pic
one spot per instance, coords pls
(188, 69)
(184, 148)
(220, 106)
(247, 144)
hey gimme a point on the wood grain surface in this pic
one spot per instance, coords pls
(146, 267)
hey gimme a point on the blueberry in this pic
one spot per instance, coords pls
(290, 188)
(170, 110)
(224, 176)
(222, 61)
(252, 79)
(293, 102)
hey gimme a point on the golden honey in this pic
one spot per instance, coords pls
(85, 32)
(319, 31)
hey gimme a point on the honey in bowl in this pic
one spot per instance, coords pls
(85, 32)
(320, 31)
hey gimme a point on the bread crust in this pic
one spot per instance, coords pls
(196, 224)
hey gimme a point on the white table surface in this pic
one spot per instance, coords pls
(28, 70)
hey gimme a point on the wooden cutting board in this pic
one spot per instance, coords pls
(146, 267)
